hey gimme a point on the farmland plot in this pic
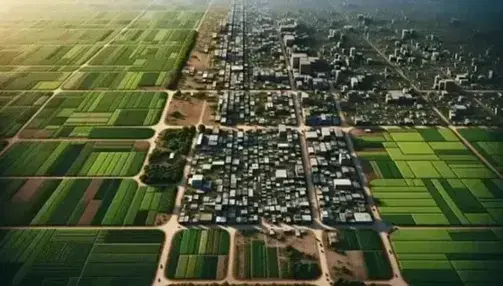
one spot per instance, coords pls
(82, 202)
(16, 108)
(198, 254)
(93, 159)
(32, 80)
(488, 142)
(264, 257)
(429, 177)
(449, 257)
(85, 114)
(60, 55)
(79, 257)
(363, 251)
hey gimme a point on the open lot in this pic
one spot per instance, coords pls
(79, 257)
(198, 254)
(85, 114)
(488, 142)
(356, 254)
(280, 256)
(83, 202)
(449, 257)
(429, 177)
(66, 158)
(185, 109)
(16, 108)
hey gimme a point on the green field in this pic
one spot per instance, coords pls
(429, 177)
(369, 243)
(16, 108)
(79, 257)
(32, 80)
(82, 202)
(488, 142)
(93, 159)
(450, 257)
(198, 254)
(89, 114)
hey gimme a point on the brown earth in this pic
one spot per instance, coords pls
(208, 113)
(306, 244)
(201, 56)
(35, 134)
(27, 191)
(189, 108)
(348, 265)
(221, 267)
(89, 213)
(91, 191)
(161, 219)
(141, 145)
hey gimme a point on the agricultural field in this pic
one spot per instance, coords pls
(74, 158)
(198, 254)
(51, 55)
(130, 67)
(488, 142)
(450, 257)
(32, 80)
(16, 108)
(83, 202)
(167, 161)
(265, 257)
(79, 257)
(429, 177)
(94, 114)
(357, 255)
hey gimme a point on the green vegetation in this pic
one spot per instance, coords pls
(198, 254)
(450, 257)
(16, 108)
(68, 158)
(368, 242)
(79, 257)
(265, 258)
(32, 80)
(78, 114)
(488, 142)
(167, 161)
(82, 202)
(429, 177)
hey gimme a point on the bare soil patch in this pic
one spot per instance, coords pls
(27, 191)
(201, 57)
(209, 114)
(184, 111)
(91, 191)
(89, 213)
(348, 266)
(222, 267)
(305, 244)
(161, 219)
(35, 134)
(141, 145)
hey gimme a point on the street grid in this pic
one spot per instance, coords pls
(173, 226)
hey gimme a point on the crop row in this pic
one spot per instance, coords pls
(429, 177)
(73, 158)
(79, 257)
(83, 202)
(449, 257)
(78, 112)
(16, 108)
(204, 248)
